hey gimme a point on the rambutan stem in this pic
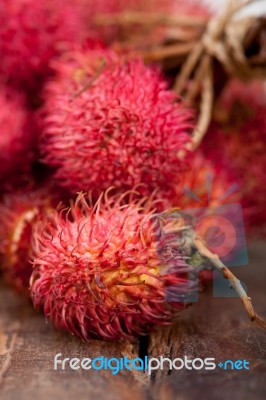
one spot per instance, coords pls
(126, 18)
(175, 50)
(204, 72)
(235, 283)
(206, 106)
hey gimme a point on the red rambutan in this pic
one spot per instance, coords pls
(236, 143)
(17, 136)
(104, 271)
(202, 193)
(19, 213)
(111, 122)
(204, 185)
(34, 32)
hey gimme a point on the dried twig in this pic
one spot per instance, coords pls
(206, 102)
(159, 54)
(215, 43)
(235, 283)
(141, 18)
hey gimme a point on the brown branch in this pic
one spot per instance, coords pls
(206, 105)
(149, 19)
(235, 283)
(164, 52)
(188, 67)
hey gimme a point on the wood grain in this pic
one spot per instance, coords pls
(213, 327)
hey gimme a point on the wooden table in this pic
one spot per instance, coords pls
(211, 328)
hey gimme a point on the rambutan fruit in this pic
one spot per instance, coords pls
(236, 144)
(204, 193)
(104, 271)
(205, 184)
(17, 135)
(108, 122)
(32, 33)
(19, 213)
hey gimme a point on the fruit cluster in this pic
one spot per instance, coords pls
(79, 114)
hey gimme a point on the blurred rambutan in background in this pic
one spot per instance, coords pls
(202, 193)
(19, 213)
(204, 184)
(34, 32)
(108, 122)
(18, 137)
(103, 271)
(236, 143)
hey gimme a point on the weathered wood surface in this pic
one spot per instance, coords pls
(212, 328)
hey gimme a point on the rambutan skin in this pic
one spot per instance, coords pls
(204, 184)
(32, 33)
(202, 193)
(17, 135)
(102, 272)
(236, 143)
(19, 213)
(113, 122)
